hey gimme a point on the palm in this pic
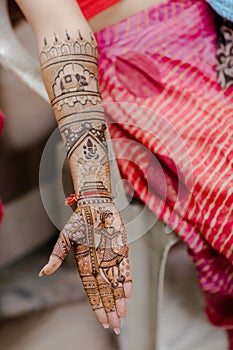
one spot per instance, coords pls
(96, 234)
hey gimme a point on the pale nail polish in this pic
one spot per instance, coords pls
(117, 330)
(106, 325)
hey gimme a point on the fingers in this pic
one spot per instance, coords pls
(127, 284)
(128, 288)
(114, 308)
(99, 291)
(106, 295)
(102, 303)
(60, 250)
(91, 287)
(102, 317)
(121, 308)
(53, 264)
(124, 291)
(119, 296)
(84, 264)
(114, 321)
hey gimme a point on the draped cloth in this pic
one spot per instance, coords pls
(91, 8)
(172, 129)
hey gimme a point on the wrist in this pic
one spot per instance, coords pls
(89, 197)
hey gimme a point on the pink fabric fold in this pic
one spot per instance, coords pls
(172, 129)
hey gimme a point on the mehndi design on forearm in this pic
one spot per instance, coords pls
(70, 72)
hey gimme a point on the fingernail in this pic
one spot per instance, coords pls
(117, 330)
(105, 325)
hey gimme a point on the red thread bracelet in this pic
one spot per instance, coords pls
(73, 198)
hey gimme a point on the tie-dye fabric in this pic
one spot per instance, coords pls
(172, 128)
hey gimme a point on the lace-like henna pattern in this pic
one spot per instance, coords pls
(91, 287)
(84, 263)
(119, 293)
(106, 295)
(74, 131)
(70, 72)
(62, 247)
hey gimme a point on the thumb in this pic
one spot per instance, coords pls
(60, 250)
(53, 264)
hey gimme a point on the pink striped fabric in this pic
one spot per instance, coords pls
(173, 131)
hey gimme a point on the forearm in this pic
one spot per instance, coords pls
(68, 57)
(70, 72)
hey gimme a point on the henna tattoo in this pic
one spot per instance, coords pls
(100, 229)
(70, 72)
(95, 230)
(96, 234)
(91, 240)
(75, 229)
(119, 293)
(72, 132)
(89, 200)
(91, 287)
(62, 247)
(69, 68)
(106, 295)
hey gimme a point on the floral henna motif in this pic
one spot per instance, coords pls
(70, 72)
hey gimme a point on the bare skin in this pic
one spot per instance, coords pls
(95, 232)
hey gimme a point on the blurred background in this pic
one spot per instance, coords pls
(53, 312)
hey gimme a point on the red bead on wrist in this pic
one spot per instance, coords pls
(72, 199)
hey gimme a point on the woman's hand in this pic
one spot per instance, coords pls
(96, 234)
